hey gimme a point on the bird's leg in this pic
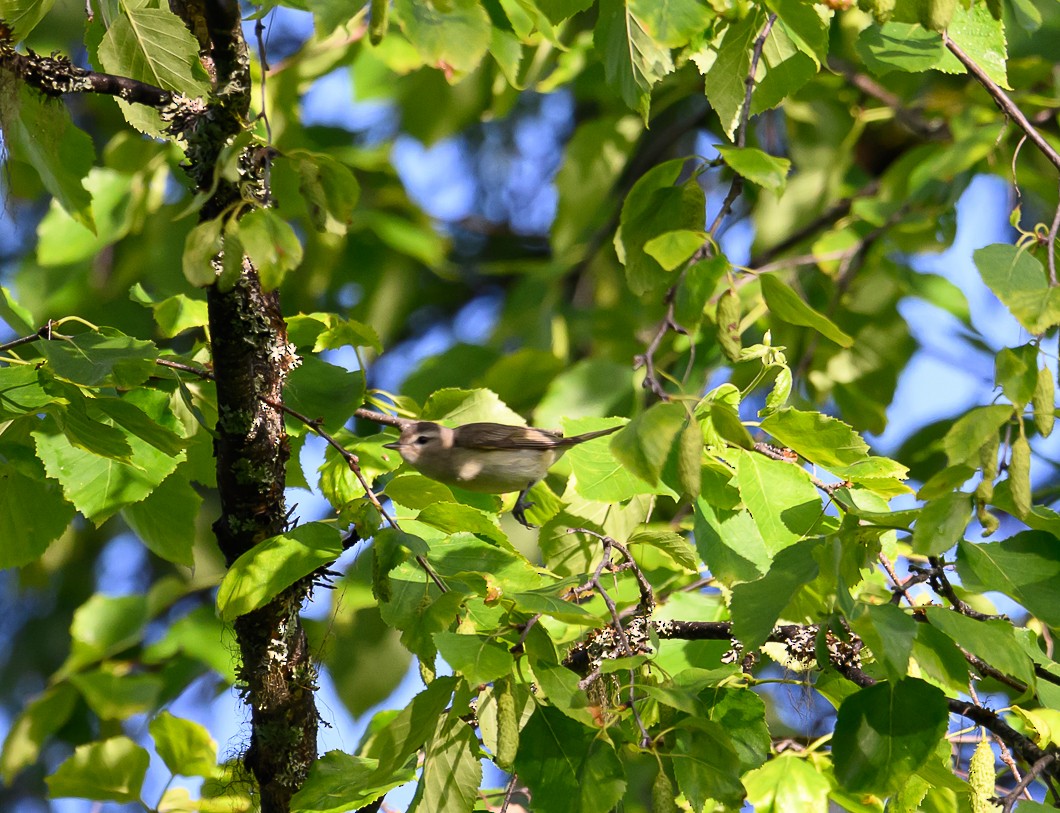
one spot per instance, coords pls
(520, 507)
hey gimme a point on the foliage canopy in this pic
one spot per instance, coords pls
(742, 190)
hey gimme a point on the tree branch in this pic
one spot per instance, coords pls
(57, 75)
(1002, 100)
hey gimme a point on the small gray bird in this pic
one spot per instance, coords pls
(490, 457)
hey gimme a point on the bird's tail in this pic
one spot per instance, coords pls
(574, 440)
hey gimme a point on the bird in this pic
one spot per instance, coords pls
(494, 458)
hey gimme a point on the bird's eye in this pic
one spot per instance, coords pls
(422, 440)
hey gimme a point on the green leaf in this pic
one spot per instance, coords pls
(1016, 372)
(786, 306)
(22, 16)
(521, 378)
(645, 443)
(33, 514)
(757, 605)
(174, 314)
(788, 63)
(821, 439)
(883, 733)
(106, 357)
(62, 239)
(339, 782)
(889, 633)
(939, 659)
(1044, 723)
(451, 35)
(99, 486)
(696, 288)
(166, 520)
(730, 543)
(86, 432)
(782, 500)
(154, 46)
(451, 769)
(726, 422)
(672, 544)
(547, 602)
(807, 25)
(757, 166)
(633, 60)
(328, 331)
(706, 765)
(104, 626)
(723, 77)
(672, 248)
(138, 423)
(896, 46)
(185, 746)
(37, 721)
(672, 23)
(201, 247)
(982, 38)
(598, 474)
(993, 640)
(322, 391)
(566, 767)
(274, 564)
(1019, 281)
(329, 188)
(114, 696)
(941, 524)
(18, 318)
(454, 407)
(21, 392)
(464, 555)
(787, 783)
(39, 132)
(109, 771)
(271, 244)
(476, 657)
(1025, 567)
(971, 431)
(399, 738)
(655, 205)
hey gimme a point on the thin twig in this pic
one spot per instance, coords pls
(1050, 247)
(911, 119)
(941, 585)
(1008, 801)
(788, 456)
(1003, 101)
(899, 585)
(508, 791)
(647, 358)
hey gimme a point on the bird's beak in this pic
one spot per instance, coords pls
(395, 445)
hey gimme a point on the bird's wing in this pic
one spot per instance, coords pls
(500, 436)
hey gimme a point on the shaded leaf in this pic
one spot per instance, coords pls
(883, 733)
